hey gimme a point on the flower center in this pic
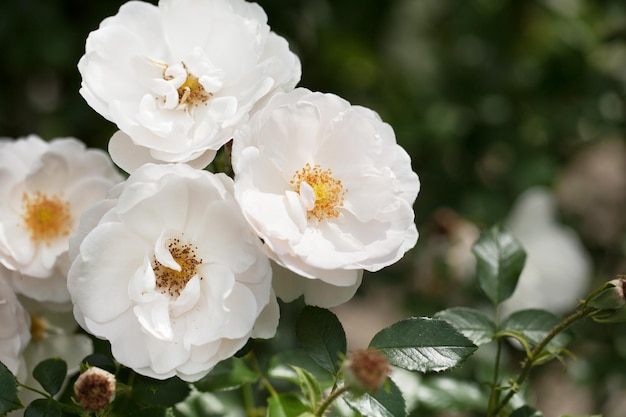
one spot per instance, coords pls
(329, 192)
(38, 328)
(46, 217)
(191, 91)
(170, 281)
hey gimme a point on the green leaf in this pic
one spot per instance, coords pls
(474, 324)
(309, 385)
(500, 260)
(229, 374)
(423, 344)
(47, 407)
(154, 392)
(526, 411)
(321, 335)
(286, 405)
(9, 400)
(199, 404)
(51, 374)
(281, 366)
(387, 402)
(534, 325)
(447, 395)
(100, 361)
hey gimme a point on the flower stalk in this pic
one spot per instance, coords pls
(535, 354)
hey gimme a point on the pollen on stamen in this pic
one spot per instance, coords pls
(46, 217)
(191, 92)
(169, 281)
(38, 328)
(329, 191)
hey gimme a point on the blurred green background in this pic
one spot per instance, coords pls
(489, 97)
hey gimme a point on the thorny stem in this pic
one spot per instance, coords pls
(494, 396)
(330, 399)
(581, 313)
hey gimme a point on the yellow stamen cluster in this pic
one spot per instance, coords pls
(170, 281)
(46, 218)
(329, 192)
(191, 92)
(38, 328)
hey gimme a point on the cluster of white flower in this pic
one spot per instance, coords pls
(45, 187)
(177, 267)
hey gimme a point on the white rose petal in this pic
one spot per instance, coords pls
(558, 267)
(44, 189)
(180, 77)
(169, 272)
(14, 331)
(328, 189)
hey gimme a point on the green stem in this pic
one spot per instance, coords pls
(330, 399)
(536, 352)
(248, 400)
(45, 394)
(494, 396)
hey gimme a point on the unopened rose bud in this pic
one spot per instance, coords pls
(94, 389)
(609, 300)
(366, 370)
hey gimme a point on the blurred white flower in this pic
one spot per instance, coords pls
(14, 330)
(180, 77)
(53, 335)
(327, 188)
(44, 188)
(558, 268)
(169, 272)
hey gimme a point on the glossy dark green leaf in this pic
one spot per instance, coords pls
(526, 411)
(423, 344)
(9, 400)
(387, 402)
(228, 374)
(472, 323)
(286, 405)
(322, 336)
(155, 392)
(534, 325)
(43, 408)
(51, 374)
(500, 260)
(100, 361)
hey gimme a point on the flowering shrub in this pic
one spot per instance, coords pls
(161, 286)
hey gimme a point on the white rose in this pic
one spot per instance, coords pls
(178, 78)
(14, 331)
(44, 188)
(169, 272)
(52, 334)
(558, 267)
(328, 189)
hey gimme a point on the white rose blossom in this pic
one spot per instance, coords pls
(52, 334)
(44, 188)
(14, 331)
(558, 268)
(169, 272)
(328, 190)
(180, 77)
